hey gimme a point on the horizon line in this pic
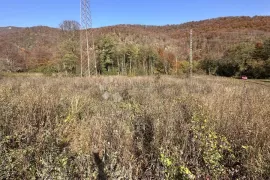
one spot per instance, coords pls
(14, 26)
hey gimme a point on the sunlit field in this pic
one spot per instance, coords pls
(159, 127)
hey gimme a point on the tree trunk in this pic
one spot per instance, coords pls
(118, 66)
(130, 67)
(144, 69)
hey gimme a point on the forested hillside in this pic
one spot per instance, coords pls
(134, 49)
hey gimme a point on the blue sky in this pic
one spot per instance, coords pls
(27, 13)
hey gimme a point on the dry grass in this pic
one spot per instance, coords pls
(163, 128)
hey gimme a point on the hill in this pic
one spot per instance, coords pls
(29, 47)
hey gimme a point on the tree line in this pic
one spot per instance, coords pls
(117, 57)
(119, 52)
(113, 56)
(245, 59)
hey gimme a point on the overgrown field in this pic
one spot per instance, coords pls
(133, 128)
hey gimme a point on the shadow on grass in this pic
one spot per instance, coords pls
(101, 174)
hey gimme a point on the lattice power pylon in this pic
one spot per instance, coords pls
(88, 64)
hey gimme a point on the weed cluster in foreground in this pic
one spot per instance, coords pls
(133, 128)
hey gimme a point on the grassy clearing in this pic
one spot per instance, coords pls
(133, 128)
(24, 74)
(262, 82)
(267, 81)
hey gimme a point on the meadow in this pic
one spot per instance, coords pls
(116, 127)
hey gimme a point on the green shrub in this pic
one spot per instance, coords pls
(45, 69)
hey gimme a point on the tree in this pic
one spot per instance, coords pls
(68, 50)
(143, 54)
(152, 60)
(132, 57)
(245, 59)
(266, 49)
(267, 68)
(106, 54)
(11, 55)
(235, 60)
(258, 52)
(70, 29)
(162, 63)
(166, 61)
(209, 65)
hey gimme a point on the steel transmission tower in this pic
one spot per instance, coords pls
(88, 63)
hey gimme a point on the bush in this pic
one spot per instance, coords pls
(45, 69)
(227, 69)
(208, 65)
(243, 59)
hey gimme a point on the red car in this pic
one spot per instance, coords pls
(244, 77)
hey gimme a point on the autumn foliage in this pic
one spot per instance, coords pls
(137, 49)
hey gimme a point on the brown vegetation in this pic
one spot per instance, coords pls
(211, 39)
(133, 128)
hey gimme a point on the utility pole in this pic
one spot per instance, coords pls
(94, 53)
(176, 64)
(191, 55)
(81, 49)
(88, 54)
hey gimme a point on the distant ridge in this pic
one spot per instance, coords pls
(211, 36)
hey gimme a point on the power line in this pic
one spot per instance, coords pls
(88, 62)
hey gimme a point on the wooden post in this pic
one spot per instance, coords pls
(191, 55)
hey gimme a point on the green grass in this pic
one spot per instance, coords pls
(21, 74)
